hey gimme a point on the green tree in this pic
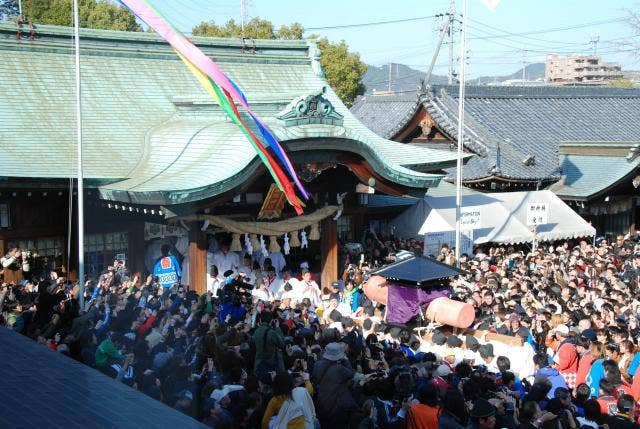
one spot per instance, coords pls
(622, 83)
(99, 14)
(344, 70)
(256, 28)
(294, 31)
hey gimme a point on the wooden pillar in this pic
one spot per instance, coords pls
(329, 251)
(135, 256)
(632, 214)
(197, 258)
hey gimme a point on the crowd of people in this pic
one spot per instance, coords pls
(556, 334)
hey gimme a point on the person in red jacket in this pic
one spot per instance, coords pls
(148, 324)
(567, 357)
(583, 346)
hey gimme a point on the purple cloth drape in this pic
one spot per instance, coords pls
(404, 302)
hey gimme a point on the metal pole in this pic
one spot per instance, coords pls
(242, 17)
(20, 8)
(452, 11)
(76, 29)
(463, 51)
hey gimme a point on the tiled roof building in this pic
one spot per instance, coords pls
(156, 143)
(151, 132)
(517, 134)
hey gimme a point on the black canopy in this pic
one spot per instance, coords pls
(418, 271)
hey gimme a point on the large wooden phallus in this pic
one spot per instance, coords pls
(441, 310)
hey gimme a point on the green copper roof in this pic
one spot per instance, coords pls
(588, 176)
(152, 131)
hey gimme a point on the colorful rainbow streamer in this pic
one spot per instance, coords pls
(226, 94)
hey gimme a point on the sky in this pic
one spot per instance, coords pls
(498, 41)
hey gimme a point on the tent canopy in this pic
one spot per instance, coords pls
(500, 218)
(417, 270)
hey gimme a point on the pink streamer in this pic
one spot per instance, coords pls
(185, 47)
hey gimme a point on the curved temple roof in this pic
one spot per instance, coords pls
(515, 131)
(152, 132)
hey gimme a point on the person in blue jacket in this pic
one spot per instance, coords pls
(544, 370)
(167, 269)
(350, 295)
(597, 373)
(633, 366)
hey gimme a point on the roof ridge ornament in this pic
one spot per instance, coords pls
(314, 56)
(311, 109)
(634, 151)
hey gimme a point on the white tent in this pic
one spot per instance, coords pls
(496, 217)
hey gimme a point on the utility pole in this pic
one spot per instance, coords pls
(524, 65)
(20, 8)
(452, 12)
(242, 14)
(463, 52)
(389, 79)
(76, 33)
(443, 32)
(594, 41)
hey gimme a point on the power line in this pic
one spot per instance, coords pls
(369, 24)
(481, 32)
(555, 29)
(522, 37)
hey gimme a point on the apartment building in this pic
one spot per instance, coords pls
(580, 69)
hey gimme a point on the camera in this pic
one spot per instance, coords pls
(232, 292)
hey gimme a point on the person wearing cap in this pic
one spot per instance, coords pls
(488, 358)
(220, 412)
(309, 288)
(626, 416)
(442, 378)
(183, 404)
(483, 415)
(261, 292)
(247, 269)
(469, 357)
(273, 283)
(566, 357)
(225, 259)
(335, 403)
(438, 341)
(286, 277)
(561, 406)
(213, 283)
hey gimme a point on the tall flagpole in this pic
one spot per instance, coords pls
(463, 60)
(76, 29)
